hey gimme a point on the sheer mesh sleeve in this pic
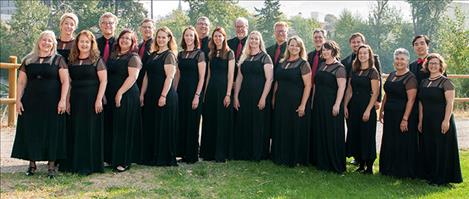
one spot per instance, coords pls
(23, 66)
(340, 72)
(448, 85)
(410, 82)
(135, 62)
(60, 61)
(101, 65)
(201, 57)
(373, 74)
(266, 59)
(170, 59)
(230, 55)
(305, 68)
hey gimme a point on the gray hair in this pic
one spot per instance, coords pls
(320, 30)
(204, 18)
(34, 54)
(108, 15)
(242, 19)
(402, 51)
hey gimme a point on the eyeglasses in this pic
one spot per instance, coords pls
(107, 23)
(147, 27)
(434, 63)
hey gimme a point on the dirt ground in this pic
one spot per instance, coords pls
(9, 165)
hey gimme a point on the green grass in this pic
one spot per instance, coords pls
(234, 179)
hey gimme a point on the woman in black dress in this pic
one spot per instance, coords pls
(160, 102)
(328, 128)
(122, 96)
(68, 25)
(85, 135)
(190, 84)
(399, 146)
(253, 82)
(43, 84)
(291, 133)
(440, 163)
(217, 126)
(362, 94)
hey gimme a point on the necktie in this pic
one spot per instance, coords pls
(106, 51)
(315, 66)
(420, 61)
(142, 49)
(277, 55)
(239, 49)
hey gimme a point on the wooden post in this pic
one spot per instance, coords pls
(12, 75)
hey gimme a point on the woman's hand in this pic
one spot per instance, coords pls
(61, 107)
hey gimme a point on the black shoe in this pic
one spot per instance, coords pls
(360, 170)
(51, 173)
(31, 170)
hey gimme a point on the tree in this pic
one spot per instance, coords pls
(426, 15)
(266, 18)
(329, 26)
(346, 25)
(303, 27)
(176, 22)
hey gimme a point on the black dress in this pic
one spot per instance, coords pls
(398, 154)
(362, 142)
(251, 140)
(217, 126)
(40, 131)
(64, 47)
(159, 123)
(328, 132)
(291, 133)
(85, 135)
(440, 151)
(188, 135)
(124, 125)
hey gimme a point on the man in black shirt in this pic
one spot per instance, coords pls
(107, 25)
(148, 30)
(276, 51)
(203, 30)
(237, 43)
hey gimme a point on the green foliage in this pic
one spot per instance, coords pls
(177, 21)
(346, 25)
(304, 28)
(266, 18)
(426, 15)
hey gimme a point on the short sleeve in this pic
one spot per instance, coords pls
(170, 59)
(101, 65)
(60, 61)
(23, 66)
(340, 72)
(373, 74)
(448, 85)
(135, 62)
(410, 82)
(266, 59)
(230, 55)
(201, 57)
(305, 68)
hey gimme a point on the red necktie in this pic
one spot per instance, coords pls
(420, 60)
(239, 49)
(315, 66)
(106, 51)
(277, 55)
(142, 49)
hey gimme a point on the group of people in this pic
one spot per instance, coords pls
(84, 103)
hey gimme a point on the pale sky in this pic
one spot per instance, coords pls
(291, 8)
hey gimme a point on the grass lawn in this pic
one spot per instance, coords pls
(234, 179)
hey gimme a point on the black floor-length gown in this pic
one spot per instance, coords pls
(40, 130)
(440, 151)
(251, 127)
(291, 133)
(125, 121)
(328, 131)
(217, 125)
(187, 138)
(85, 133)
(159, 123)
(398, 154)
(362, 145)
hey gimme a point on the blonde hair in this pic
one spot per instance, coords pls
(34, 54)
(443, 65)
(70, 16)
(94, 51)
(172, 45)
(108, 15)
(247, 48)
(281, 23)
(301, 44)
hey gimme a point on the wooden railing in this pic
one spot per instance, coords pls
(12, 78)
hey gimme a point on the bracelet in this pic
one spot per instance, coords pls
(404, 119)
(197, 94)
(163, 96)
(227, 95)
